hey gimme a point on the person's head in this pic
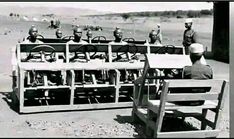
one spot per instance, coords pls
(188, 23)
(58, 33)
(118, 34)
(196, 51)
(52, 22)
(33, 32)
(158, 25)
(153, 36)
(77, 32)
(89, 34)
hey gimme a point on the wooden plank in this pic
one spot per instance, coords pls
(189, 134)
(21, 88)
(140, 94)
(161, 109)
(72, 87)
(117, 85)
(183, 83)
(95, 86)
(67, 53)
(142, 114)
(192, 96)
(109, 54)
(31, 109)
(162, 61)
(46, 87)
(221, 102)
(81, 66)
(18, 53)
(153, 104)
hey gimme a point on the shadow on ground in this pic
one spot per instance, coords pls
(7, 97)
(169, 124)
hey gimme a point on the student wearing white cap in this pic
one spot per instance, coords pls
(190, 36)
(198, 70)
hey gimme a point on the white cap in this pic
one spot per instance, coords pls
(196, 48)
(158, 25)
(188, 20)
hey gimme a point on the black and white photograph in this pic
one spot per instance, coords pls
(114, 69)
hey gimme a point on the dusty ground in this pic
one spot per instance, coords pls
(98, 123)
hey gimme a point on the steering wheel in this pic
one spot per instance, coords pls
(47, 50)
(99, 38)
(67, 37)
(165, 49)
(38, 36)
(129, 39)
(86, 49)
(170, 49)
(128, 46)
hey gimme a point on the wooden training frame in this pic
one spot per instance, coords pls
(64, 65)
(167, 105)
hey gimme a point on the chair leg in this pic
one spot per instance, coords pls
(149, 132)
(182, 119)
(203, 124)
(135, 118)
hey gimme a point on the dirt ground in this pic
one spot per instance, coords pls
(96, 123)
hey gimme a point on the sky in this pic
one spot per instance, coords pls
(118, 7)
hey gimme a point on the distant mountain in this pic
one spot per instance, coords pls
(33, 10)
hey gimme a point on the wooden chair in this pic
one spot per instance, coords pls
(213, 100)
(152, 110)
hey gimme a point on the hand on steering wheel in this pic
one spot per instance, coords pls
(99, 38)
(43, 50)
(165, 49)
(129, 39)
(86, 49)
(67, 37)
(38, 36)
(128, 46)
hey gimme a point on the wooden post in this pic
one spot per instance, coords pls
(220, 39)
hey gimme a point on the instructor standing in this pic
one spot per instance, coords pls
(190, 36)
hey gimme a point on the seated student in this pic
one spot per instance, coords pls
(33, 33)
(197, 71)
(154, 38)
(77, 32)
(118, 34)
(58, 34)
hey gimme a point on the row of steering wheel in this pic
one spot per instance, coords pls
(51, 51)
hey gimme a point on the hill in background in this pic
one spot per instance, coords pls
(36, 11)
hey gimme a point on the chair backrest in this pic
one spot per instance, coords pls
(185, 90)
(213, 99)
